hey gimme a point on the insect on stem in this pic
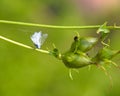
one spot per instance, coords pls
(22, 45)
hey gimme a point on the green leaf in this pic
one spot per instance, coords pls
(103, 29)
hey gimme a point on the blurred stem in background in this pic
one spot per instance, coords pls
(58, 27)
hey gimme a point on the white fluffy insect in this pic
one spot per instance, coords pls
(38, 39)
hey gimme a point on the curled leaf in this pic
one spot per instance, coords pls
(103, 29)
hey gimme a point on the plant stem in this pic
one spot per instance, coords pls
(57, 27)
(23, 45)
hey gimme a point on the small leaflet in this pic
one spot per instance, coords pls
(103, 29)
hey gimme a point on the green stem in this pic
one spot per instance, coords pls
(23, 45)
(57, 27)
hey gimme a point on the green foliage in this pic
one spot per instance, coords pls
(75, 60)
(104, 31)
(83, 44)
(78, 57)
(55, 52)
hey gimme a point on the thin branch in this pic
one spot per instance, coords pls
(57, 27)
(22, 45)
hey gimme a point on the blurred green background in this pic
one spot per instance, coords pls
(25, 72)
